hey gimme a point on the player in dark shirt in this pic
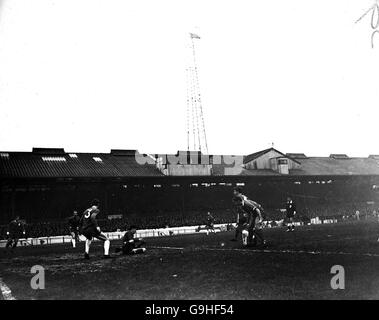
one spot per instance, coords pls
(130, 244)
(90, 229)
(254, 224)
(210, 221)
(254, 218)
(291, 212)
(209, 225)
(16, 230)
(74, 225)
(241, 218)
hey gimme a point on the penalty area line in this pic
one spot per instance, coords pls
(278, 251)
(5, 291)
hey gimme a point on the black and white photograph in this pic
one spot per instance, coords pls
(175, 150)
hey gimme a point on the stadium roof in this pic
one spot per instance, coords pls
(296, 155)
(256, 155)
(339, 156)
(337, 166)
(55, 163)
(221, 170)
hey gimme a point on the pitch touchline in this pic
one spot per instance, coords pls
(6, 292)
(279, 251)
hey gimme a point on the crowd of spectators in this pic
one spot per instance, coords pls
(344, 211)
(154, 222)
(47, 229)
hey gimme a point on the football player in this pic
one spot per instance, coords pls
(130, 244)
(253, 228)
(291, 212)
(74, 225)
(241, 218)
(90, 229)
(16, 230)
(209, 225)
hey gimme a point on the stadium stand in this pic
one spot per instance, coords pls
(44, 186)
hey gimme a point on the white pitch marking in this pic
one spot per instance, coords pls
(6, 292)
(299, 252)
(279, 251)
(171, 248)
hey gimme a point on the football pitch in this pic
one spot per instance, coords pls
(295, 265)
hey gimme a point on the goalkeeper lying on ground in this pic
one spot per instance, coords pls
(130, 244)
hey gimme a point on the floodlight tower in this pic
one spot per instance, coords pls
(195, 116)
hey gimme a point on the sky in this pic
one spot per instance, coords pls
(92, 75)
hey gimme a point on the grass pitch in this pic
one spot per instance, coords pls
(293, 266)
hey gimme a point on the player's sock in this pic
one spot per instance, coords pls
(245, 235)
(73, 243)
(250, 239)
(107, 244)
(139, 250)
(88, 244)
